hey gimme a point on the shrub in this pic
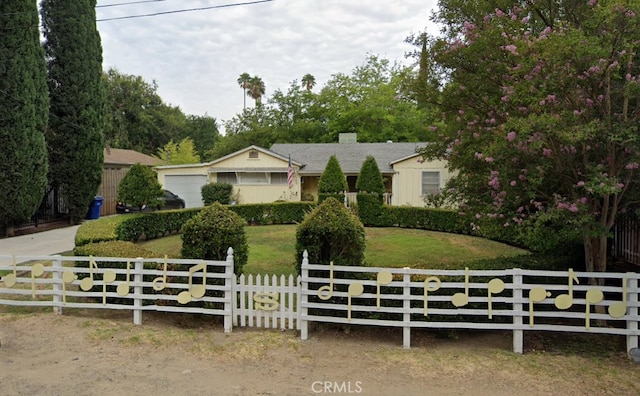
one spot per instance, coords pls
(140, 187)
(370, 191)
(153, 225)
(331, 233)
(113, 249)
(217, 192)
(427, 218)
(332, 183)
(210, 233)
(273, 213)
(102, 229)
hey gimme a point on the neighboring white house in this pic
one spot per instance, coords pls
(260, 175)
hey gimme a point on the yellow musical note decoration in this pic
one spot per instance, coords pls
(565, 301)
(162, 278)
(36, 271)
(495, 286)
(197, 291)
(327, 288)
(537, 294)
(619, 309)
(67, 277)
(593, 296)
(266, 301)
(428, 290)
(108, 277)
(87, 283)
(11, 279)
(123, 288)
(355, 289)
(384, 278)
(462, 299)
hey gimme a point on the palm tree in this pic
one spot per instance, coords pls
(308, 81)
(243, 81)
(256, 88)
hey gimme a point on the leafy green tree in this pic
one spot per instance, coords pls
(332, 182)
(140, 188)
(210, 234)
(179, 153)
(250, 127)
(138, 119)
(204, 132)
(425, 86)
(371, 188)
(24, 110)
(375, 102)
(542, 120)
(331, 233)
(77, 113)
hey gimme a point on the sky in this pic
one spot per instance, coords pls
(196, 57)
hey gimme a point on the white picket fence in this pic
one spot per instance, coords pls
(515, 300)
(268, 302)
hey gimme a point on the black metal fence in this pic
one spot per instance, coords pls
(53, 209)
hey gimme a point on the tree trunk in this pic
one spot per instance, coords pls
(595, 253)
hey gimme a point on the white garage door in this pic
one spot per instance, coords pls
(188, 187)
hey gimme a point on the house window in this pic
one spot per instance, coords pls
(227, 177)
(430, 182)
(253, 154)
(253, 178)
(279, 178)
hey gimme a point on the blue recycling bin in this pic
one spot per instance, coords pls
(94, 208)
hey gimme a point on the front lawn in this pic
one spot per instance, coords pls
(272, 248)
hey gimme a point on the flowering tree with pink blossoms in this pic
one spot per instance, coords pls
(542, 116)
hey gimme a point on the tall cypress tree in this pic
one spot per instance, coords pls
(24, 109)
(75, 137)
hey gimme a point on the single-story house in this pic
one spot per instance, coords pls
(259, 175)
(117, 163)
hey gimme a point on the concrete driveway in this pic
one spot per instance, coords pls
(43, 243)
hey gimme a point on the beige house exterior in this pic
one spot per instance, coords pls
(259, 175)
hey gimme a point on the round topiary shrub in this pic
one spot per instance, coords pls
(210, 233)
(330, 233)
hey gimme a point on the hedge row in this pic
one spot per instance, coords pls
(135, 227)
(274, 213)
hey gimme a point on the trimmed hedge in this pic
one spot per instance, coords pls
(133, 227)
(274, 213)
(424, 218)
(103, 229)
(113, 249)
(153, 225)
(216, 192)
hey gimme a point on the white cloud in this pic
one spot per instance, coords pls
(196, 57)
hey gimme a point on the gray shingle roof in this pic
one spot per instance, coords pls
(314, 156)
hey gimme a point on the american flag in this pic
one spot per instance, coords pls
(290, 173)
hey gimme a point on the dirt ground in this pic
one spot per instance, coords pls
(104, 353)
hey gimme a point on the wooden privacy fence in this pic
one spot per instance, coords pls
(515, 300)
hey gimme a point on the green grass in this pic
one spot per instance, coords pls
(272, 248)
